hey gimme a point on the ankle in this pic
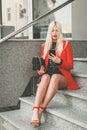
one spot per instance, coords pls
(36, 107)
(41, 108)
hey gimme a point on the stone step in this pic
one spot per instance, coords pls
(80, 77)
(62, 116)
(76, 99)
(80, 64)
(17, 120)
(80, 59)
(68, 117)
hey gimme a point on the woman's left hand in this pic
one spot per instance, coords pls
(54, 58)
(41, 71)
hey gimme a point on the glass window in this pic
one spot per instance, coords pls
(63, 16)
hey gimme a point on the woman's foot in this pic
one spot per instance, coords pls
(35, 117)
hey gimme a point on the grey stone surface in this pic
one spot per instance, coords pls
(15, 69)
(26, 103)
(79, 48)
(58, 115)
(75, 99)
(80, 65)
(59, 111)
(0, 122)
(16, 120)
(81, 80)
(61, 123)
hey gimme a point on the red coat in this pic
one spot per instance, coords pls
(67, 64)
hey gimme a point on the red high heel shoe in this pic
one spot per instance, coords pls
(37, 121)
(41, 110)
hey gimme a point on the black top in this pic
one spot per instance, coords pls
(53, 45)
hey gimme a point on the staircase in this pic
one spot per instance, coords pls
(66, 111)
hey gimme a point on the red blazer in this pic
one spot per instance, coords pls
(67, 64)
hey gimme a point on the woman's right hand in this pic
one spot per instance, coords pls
(41, 71)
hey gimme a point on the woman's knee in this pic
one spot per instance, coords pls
(60, 80)
(56, 77)
(46, 77)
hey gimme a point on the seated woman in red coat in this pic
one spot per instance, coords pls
(55, 71)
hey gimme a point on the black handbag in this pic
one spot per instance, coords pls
(36, 61)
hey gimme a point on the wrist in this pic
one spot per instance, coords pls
(61, 61)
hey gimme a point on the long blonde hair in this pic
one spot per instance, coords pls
(48, 43)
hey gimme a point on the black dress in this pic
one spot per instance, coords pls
(52, 66)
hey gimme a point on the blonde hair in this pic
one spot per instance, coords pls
(48, 43)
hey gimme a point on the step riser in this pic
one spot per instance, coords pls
(62, 124)
(80, 66)
(0, 122)
(81, 81)
(25, 107)
(70, 101)
(19, 121)
(80, 105)
(51, 119)
(5, 125)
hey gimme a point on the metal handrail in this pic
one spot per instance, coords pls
(34, 21)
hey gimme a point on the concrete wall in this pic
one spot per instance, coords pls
(79, 20)
(0, 32)
(16, 67)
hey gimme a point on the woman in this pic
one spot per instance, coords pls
(55, 70)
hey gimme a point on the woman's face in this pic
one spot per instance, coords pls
(54, 33)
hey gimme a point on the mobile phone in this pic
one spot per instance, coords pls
(52, 51)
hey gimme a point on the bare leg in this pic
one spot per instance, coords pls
(56, 81)
(41, 91)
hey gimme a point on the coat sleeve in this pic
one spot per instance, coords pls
(67, 57)
(41, 55)
(42, 50)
